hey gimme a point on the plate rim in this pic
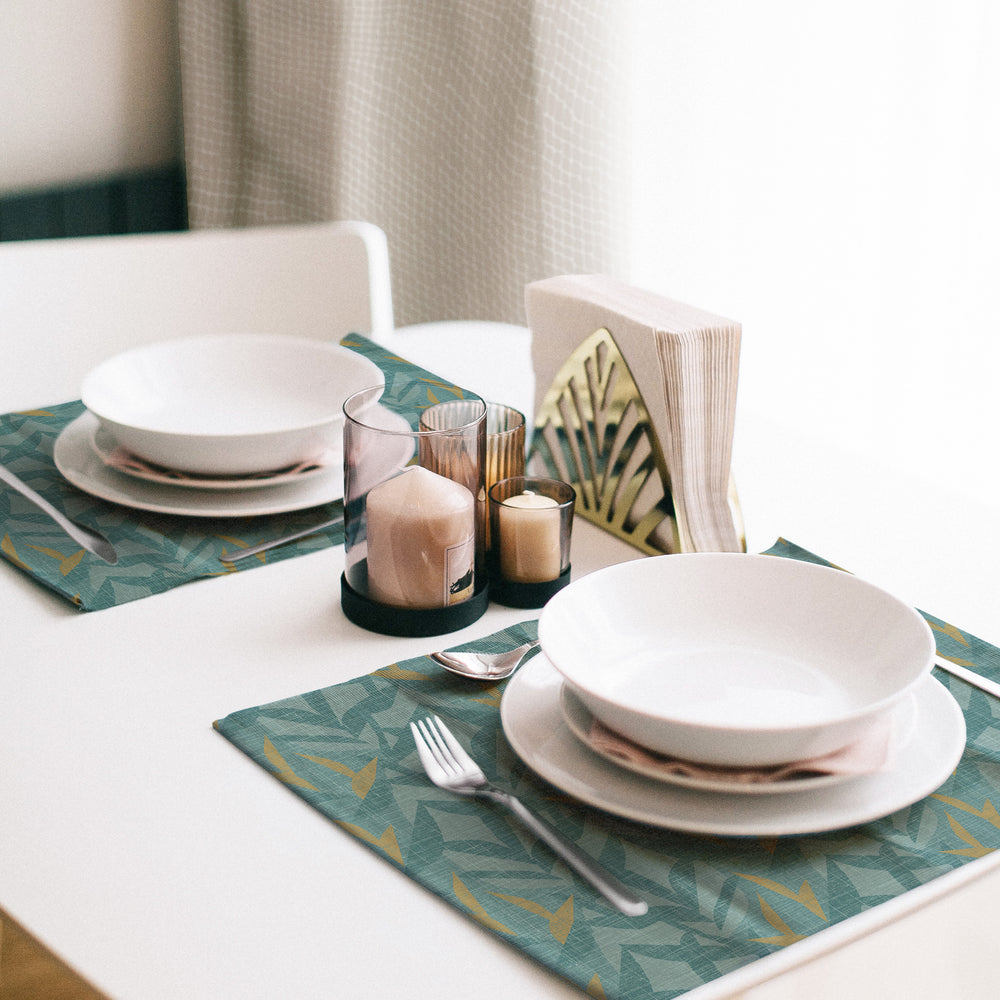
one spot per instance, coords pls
(846, 804)
(81, 466)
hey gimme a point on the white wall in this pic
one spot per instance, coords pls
(827, 174)
(87, 88)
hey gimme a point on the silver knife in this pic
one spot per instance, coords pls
(969, 676)
(91, 540)
(281, 540)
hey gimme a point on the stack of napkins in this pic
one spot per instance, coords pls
(684, 363)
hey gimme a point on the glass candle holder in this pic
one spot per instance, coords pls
(504, 447)
(504, 443)
(414, 527)
(531, 524)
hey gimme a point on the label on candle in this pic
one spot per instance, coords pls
(421, 540)
(530, 538)
(460, 573)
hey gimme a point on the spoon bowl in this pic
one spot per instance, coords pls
(483, 666)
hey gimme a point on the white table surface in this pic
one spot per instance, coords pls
(159, 861)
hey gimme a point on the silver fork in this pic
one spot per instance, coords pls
(450, 767)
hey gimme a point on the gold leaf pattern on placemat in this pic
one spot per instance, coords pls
(361, 781)
(282, 769)
(468, 900)
(785, 935)
(805, 894)
(560, 923)
(10, 551)
(387, 842)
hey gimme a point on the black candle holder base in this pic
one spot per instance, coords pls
(389, 620)
(526, 595)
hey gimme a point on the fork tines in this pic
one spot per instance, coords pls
(441, 745)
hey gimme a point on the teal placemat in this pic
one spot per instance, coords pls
(156, 552)
(715, 904)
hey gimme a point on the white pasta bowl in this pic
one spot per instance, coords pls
(228, 404)
(735, 660)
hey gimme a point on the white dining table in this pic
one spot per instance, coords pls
(149, 854)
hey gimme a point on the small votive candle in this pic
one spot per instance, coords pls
(530, 527)
(531, 522)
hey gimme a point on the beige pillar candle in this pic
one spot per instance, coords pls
(530, 530)
(421, 540)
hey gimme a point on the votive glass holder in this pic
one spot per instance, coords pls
(504, 443)
(531, 525)
(505, 429)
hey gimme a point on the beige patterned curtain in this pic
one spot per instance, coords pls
(487, 138)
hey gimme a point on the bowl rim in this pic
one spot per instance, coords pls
(354, 399)
(331, 418)
(853, 716)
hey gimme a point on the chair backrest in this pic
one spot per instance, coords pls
(66, 304)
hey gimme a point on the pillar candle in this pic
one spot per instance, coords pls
(421, 540)
(530, 530)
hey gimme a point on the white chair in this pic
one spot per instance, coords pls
(320, 280)
(67, 304)
(492, 359)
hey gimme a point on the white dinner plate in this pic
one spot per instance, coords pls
(533, 722)
(79, 463)
(106, 446)
(579, 720)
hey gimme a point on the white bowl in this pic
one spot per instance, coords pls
(735, 660)
(228, 404)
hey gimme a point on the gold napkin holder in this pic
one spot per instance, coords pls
(594, 430)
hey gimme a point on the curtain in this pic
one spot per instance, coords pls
(488, 139)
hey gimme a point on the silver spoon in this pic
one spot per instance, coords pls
(484, 666)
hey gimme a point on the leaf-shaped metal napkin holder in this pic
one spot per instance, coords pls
(593, 430)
